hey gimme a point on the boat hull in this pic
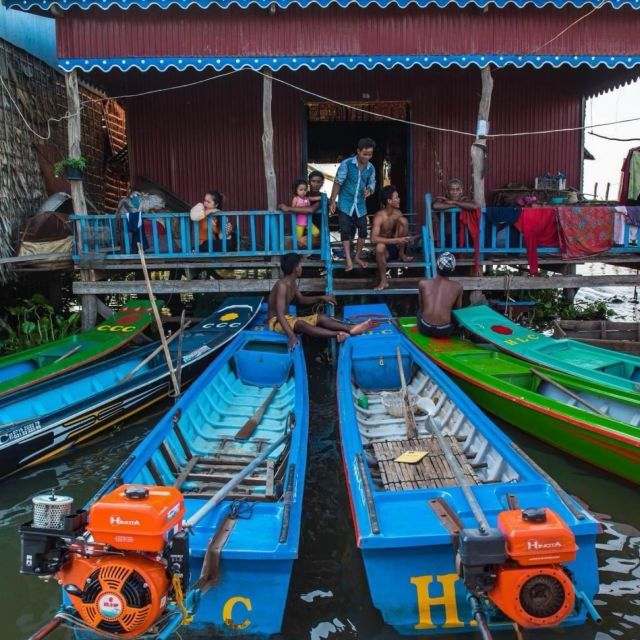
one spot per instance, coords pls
(407, 548)
(613, 368)
(37, 364)
(581, 434)
(26, 442)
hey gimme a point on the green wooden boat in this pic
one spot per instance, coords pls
(614, 368)
(23, 369)
(586, 419)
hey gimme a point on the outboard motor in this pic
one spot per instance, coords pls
(120, 563)
(517, 566)
(534, 589)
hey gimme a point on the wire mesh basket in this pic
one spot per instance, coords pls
(393, 403)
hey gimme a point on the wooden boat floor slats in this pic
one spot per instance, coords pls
(432, 471)
(204, 476)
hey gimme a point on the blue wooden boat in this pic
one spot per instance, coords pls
(613, 368)
(41, 421)
(471, 535)
(201, 524)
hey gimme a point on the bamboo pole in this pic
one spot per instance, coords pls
(570, 393)
(156, 315)
(89, 307)
(153, 353)
(267, 141)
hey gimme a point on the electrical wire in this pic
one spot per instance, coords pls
(434, 128)
(597, 135)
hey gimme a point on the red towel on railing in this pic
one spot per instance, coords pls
(471, 220)
(585, 231)
(539, 229)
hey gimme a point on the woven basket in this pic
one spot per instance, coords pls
(394, 404)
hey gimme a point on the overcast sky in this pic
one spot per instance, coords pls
(621, 104)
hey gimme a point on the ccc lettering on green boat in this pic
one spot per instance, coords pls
(514, 341)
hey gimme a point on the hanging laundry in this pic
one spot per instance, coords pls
(585, 231)
(630, 183)
(620, 220)
(502, 218)
(470, 219)
(539, 229)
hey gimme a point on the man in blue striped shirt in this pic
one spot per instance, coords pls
(355, 181)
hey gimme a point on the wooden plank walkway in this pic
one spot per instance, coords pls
(432, 471)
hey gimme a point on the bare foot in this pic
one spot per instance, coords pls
(383, 285)
(341, 337)
(361, 327)
(348, 265)
(407, 258)
(360, 262)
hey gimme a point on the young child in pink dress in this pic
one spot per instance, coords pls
(301, 199)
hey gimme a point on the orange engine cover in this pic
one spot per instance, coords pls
(529, 542)
(533, 597)
(122, 595)
(137, 517)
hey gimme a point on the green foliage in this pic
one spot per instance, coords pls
(78, 163)
(32, 322)
(550, 305)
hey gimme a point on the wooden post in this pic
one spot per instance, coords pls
(267, 141)
(267, 153)
(479, 145)
(89, 307)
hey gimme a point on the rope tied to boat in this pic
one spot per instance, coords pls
(187, 617)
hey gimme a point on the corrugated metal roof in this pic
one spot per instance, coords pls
(144, 4)
(348, 62)
(343, 38)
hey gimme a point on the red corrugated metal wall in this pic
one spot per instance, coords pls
(209, 136)
(335, 31)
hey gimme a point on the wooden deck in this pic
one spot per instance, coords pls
(104, 254)
(432, 471)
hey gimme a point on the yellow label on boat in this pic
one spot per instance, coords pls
(411, 457)
(229, 316)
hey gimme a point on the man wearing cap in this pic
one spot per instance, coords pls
(437, 297)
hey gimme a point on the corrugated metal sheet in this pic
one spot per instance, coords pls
(153, 32)
(265, 4)
(209, 136)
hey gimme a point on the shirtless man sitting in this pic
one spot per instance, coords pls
(437, 297)
(389, 233)
(319, 325)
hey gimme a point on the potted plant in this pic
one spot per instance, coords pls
(71, 168)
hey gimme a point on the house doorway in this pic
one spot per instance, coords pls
(332, 134)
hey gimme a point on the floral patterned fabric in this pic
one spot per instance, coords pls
(585, 231)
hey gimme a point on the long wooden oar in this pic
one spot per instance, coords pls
(179, 356)
(570, 393)
(156, 315)
(250, 425)
(409, 418)
(240, 476)
(153, 353)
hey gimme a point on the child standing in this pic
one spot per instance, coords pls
(301, 198)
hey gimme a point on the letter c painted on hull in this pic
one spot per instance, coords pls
(227, 612)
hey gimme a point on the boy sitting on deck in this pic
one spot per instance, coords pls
(319, 325)
(390, 234)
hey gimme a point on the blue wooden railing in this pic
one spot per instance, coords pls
(441, 231)
(174, 235)
(263, 234)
